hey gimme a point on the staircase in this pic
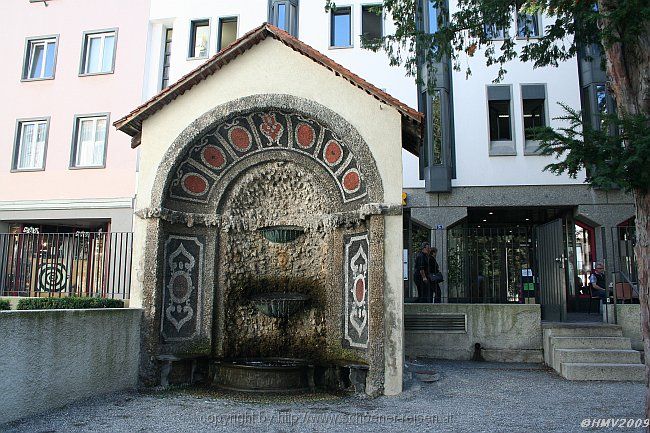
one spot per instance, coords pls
(591, 351)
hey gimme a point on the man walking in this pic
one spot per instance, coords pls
(421, 276)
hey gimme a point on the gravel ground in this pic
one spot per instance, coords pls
(469, 397)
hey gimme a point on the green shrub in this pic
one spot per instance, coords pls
(68, 303)
(4, 304)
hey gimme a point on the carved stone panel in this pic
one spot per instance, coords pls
(356, 291)
(182, 291)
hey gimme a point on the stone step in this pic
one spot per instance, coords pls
(613, 372)
(584, 330)
(590, 343)
(595, 356)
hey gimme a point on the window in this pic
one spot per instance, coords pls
(372, 23)
(227, 32)
(284, 15)
(98, 55)
(494, 32)
(89, 144)
(31, 140)
(40, 59)
(167, 58)
(534, 108)
(534, 104)
(528, 25)
(199, 37)
(500, 118)
(341, 27)
(436, 128)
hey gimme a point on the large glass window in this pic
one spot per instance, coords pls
(90, 141)
(40, 59)
(341, 27)
(199, 38)
(284, 15)
(30, 145)
(372, 23)
(98, 53)
(167, 58)
(436, 127)
(500, 122)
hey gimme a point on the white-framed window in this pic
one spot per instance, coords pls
(40, 58)
(227, 32)
(199, 39)
(98, 55)
(372, 23)
(492, 31)
(31, 143)
(528, 26)
(89, 142)
(284, 15)
(341, 27)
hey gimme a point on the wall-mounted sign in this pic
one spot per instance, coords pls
(440, 227)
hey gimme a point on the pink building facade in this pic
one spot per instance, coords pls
(70, 69)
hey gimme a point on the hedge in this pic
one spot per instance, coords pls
(4, 304)
(71, 302)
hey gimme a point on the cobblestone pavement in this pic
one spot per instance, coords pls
(469, 397)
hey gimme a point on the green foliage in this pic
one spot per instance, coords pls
(68, 303)
(4, 304)
(616, 155)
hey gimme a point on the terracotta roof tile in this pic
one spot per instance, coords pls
(132, 123)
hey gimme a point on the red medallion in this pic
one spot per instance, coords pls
(333, 152)
(213, 156)
(305, 135)
(351, 181)
(360, 290)
(195, 184)
(271, 127)
(240, 138)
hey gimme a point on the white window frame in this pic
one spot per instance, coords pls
(350, 7)
(30, 45)
(85, 57)
(74, 154)
(18, 143)
(191, 54)
(540, 27)
(382, 17)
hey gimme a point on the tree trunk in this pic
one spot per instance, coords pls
(642, 202)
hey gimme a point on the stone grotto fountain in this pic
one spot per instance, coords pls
(267, 247)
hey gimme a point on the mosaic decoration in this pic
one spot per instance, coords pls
(182, 291)
(223, 146)
(356, 290)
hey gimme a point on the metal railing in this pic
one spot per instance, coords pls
(490, 265)
(66, 264)
(625, 273)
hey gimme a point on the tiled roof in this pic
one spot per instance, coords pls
(132, 123)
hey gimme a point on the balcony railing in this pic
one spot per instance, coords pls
(66, 264)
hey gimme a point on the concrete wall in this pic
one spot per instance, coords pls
(628, 316)
(507, 333)
(50, 358)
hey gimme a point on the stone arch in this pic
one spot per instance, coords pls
(197, 167)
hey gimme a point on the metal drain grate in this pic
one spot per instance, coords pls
(436, 322)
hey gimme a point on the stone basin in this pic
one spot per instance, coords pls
(280, 305)
(265, 375)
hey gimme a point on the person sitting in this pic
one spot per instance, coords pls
(598, 282)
